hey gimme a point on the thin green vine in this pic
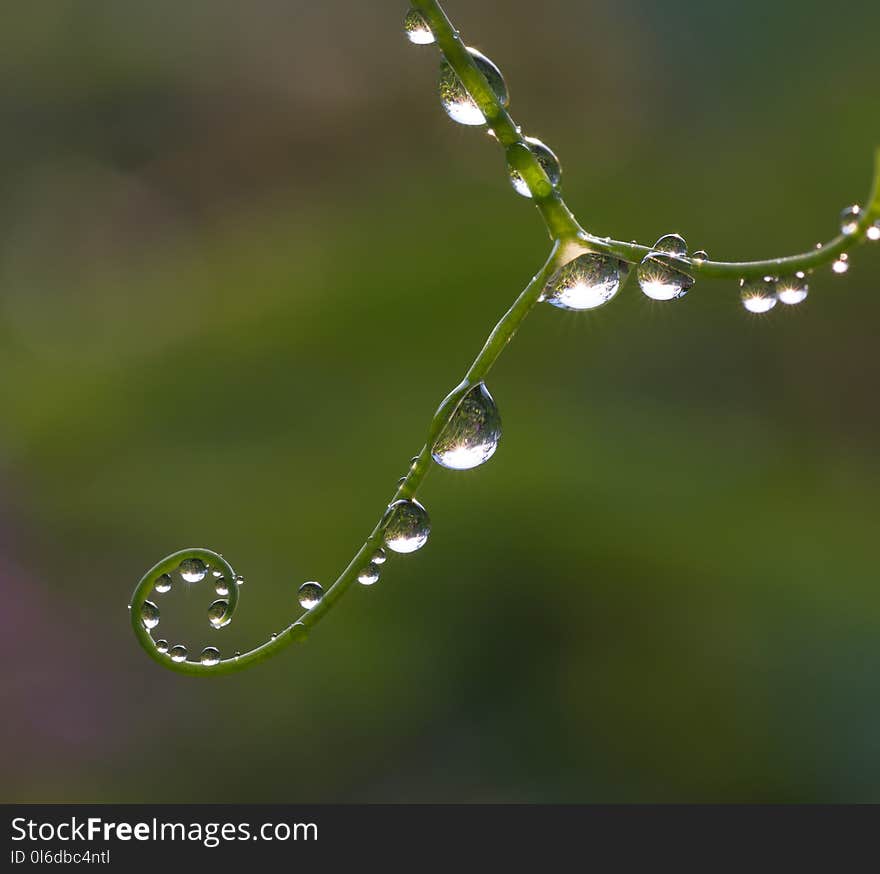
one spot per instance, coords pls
(569, 240)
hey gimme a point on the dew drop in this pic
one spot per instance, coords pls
(757, 295)
(163, 584)
(309, 595)
(546, 158)
(273, 636)
(471, 436)
(237, 654)
(585, 283)
(849, 220)
(218, 613)
(793, 289)
(221, 587)
(162, 646)
(210, 656)
(416, 28)
(407, 526)
(657, 278)
(873, 232)
(700, 255)
(193, 570)
(454, 97)
(178, 653)
(239, 580)
(841, 265)
(379, 556)
(369, 575)
(149, 615)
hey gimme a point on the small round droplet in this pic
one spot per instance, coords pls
(218, 613)
(221, 586)
(379, 556)
(841, 265)
(700, 255)
(546, 158)
(273, 636)
(454, 97)
(369, 575)
(873, 232)
(471, 435)
(237, 654)
(407, 526)
(210, 656)
(658, 279)
(239, 580)
(416, 28)
(758, 295)
(193, 570)
(178, 653)
(162, 646)
(163, 584)
(585, 283)
(792, 290)
(309, 595)
(849, 220)
(149, 615)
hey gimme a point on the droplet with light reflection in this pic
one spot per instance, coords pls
(406, 526)
(416, 28)
(585, 283)
(310, 594)
(757, 295)
(658, 278)
(471, 435)
(548, 161)
(457, 102)
(792, 290)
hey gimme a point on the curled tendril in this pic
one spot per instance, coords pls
(569, 241)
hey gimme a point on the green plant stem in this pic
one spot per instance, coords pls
(569, 240)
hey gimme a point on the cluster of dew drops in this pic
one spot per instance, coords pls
(593, 279)
(191, 570)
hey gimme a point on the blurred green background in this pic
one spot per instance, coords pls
(245, 254)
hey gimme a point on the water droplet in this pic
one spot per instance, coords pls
(873, 232)
(163, 584)
(210, 656)
(221, 587)
(273, 636)
(193, 570)
(149, 615)
(369, 575)
(454, 97)
(416, 28)
(309, 595)
(216, 574)
(218, 613)
(757, 295)
(658, 279)
(379, 556)
(546, 158)
(407, 526)
(178, 653)
(162, 646)
(584, 283)
(849, 219)
(239, 580)
(841, 265)
(792, 290)
(237, 654)
(471, 436)
(700, 255)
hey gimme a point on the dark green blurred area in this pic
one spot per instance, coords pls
(244, 255)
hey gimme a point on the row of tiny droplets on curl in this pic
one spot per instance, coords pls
(591, 280)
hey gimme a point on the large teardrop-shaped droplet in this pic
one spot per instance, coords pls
(178, 653)
(210, 656)
(584, 283)
(757, 295)
(149, 615)
(546, 158)
(658, 279)
(310, 594)
(218, 613)
(471, 436)
(793, 289)
(193, 570)
(416, 28)
(407, 526)
(454, 97)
